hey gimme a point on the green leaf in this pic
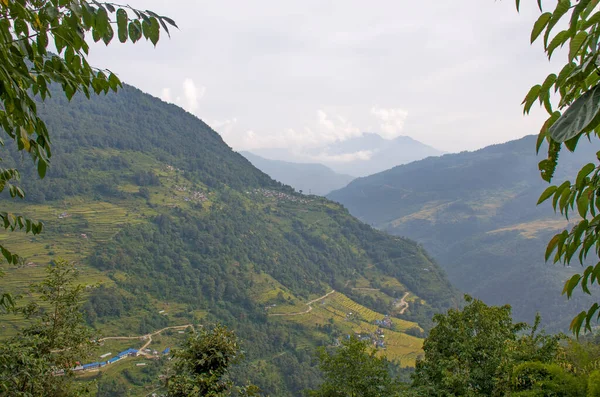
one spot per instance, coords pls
(575, 326)
(583, 173)
(547, 194)
(151, 30)
(101, 21)
(154, 33)
(170, 21)
(544, 130)
(41, 168)
(582, 205)
(563, 75)
(571, 284)
(593, 20)
(584, 282)
(550, 80)
(562, 7)
(589, 9)
(571, 144)
(122, 25)
(530, 98)
(552, 246)
(108, 36)
(576, 44)
(557, 41)
(135, 30)
(564, 186)
(114, 82)
(592, 310)
(582, 116)
(539, 25)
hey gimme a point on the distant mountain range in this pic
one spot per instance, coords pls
(361, 156)
(306, 177)
(476, 213)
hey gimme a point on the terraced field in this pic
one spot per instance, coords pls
(350, 317)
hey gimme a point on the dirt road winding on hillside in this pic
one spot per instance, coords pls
(403, 303)
(309, 304)
(147, 337)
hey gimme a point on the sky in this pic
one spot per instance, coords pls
(304, 74)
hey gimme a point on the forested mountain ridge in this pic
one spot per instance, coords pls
(476, 213)
(306, 177)
(163, 218)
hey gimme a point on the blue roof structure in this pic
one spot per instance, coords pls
(127, 352)
(166, 351)
(112, 360)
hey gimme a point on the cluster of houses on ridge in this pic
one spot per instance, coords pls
(195, 196)
(377, 339)
(279, 196)
(386, 322)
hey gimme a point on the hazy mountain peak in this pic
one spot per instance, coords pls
(310, 178)
(361, 156)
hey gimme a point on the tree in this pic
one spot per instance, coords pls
(55, 340)
(473, 352)
(578, 115)
(27, 69)
(538, 379)
(202, 366)
(354, 370)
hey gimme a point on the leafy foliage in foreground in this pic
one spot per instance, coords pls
(474, 351)
(578, 88)
(201, 367)
(27, 71)
(55, 339)
(355, 369)
(477, 351)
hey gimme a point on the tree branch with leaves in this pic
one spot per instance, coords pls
(576, 116)
(28, 28)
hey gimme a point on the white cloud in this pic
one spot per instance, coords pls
(275, 65)
(224, 127)
(165, 95)
(192, 95)
(327, 129)
(391, 121)
(335, 128)
(362, 155)
(324, 121)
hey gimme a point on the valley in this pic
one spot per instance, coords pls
(299, 199)
(475, 213)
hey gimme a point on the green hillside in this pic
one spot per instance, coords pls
(170, 227)
(476, 213)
